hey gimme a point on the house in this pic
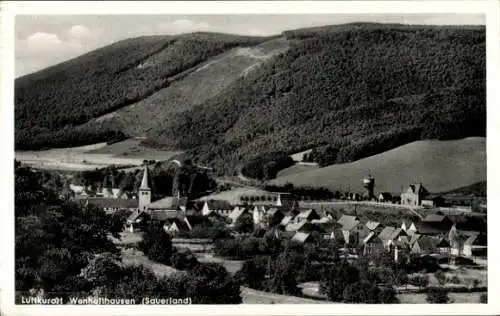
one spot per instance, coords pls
(220, 207)
(385, 197)
(432, 200)
(273, 216)
(259, 214)
(136, 221)
(302, 238)
(467, 243)
(352, 229)
(475, 246)
(372, 244)
(110, 205)
(409, 227)
(434, 224)
(414, 195)
(175, 225)
(431, 245)
(307, 215)
(373, 226)
(390, 234)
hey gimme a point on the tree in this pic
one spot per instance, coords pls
(210, 283)
(338, 278)
(437, 296)
(244, 223)
(156, 243)
(251, 273)
(483, 298)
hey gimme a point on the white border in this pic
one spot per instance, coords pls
(10, 9)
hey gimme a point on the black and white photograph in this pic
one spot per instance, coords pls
(178, 158)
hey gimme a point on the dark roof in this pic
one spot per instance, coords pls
(112, 202)
(431, 228)
(386, 195)
(163, 215)
(430, 243)
(135, 215)
(181, 224)
(198, 220)
(387, 233)
(476, 240)
(435, 218)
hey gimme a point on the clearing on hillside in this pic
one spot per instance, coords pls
(132, 148)
(440, 165)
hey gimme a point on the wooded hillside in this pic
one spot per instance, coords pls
(351, 91)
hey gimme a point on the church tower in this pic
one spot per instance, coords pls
(144, 191)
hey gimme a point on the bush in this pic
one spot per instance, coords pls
(156, 243)
(184, 260)
(437, 296)
(483, 298)
(440, 276)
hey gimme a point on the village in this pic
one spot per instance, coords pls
(432, 235)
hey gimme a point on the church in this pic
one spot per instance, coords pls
(175, 212)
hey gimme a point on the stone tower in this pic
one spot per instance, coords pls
(369, 185)
(144, 191)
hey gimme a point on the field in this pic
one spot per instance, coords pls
(296, 168)
(233, 196)
(124, 153)
(440, 165)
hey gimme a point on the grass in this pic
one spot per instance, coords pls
(296, 168)
(233, 196)
(457, 298)
(132, 148)
(440, 165)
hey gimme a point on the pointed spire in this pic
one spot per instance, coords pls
(144, 183)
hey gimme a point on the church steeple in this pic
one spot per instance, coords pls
(144, 191)
(145, 181)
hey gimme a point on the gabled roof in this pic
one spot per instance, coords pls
(476, 240)
(198, 220)
(430, 243)
(273, 211)
(181, 224)
(291, 227)
(434, 218)
(347, 219)
(169, 202)
(163, 215)
(286, 220)
(386, 195)
(300, 237)
(369, 238)
(236, 213)
(414, 238)
(387, 233)
(134, 216)
(371, 225)
(307, 213)
(113, 203)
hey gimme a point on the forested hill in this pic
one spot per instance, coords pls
(50, 104)
(350, 91)
(357, 89)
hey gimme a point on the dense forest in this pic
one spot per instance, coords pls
(364, 89)
(348, 91)
(51, 103)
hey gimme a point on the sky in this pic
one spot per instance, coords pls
(45, 40)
